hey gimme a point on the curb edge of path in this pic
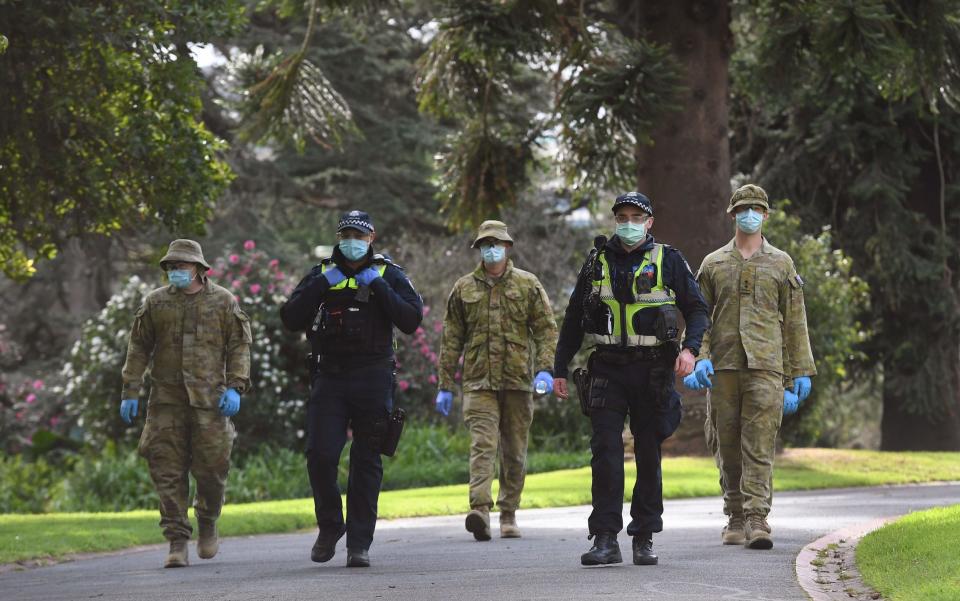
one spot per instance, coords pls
(827, 570)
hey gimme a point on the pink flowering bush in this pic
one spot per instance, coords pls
(274, 411)
(28, 406)
(417, 358)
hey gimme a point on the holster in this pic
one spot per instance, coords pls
(394, 429)
(382, 433)
(590, 390)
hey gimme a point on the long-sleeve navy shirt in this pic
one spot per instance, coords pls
(394, 302)
(676, 276)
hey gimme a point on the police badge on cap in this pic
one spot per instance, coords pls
(636, 199)
(358, 220)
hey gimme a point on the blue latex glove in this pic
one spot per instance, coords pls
(547, 379)
(128, 409)
(366, 276)
(801, 387)
(334, 276)
(444, 401)
(790, 403)
(229, 402)
(700, 378)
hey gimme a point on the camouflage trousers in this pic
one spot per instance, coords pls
(497, 419)
(745, 408)
(178, 440)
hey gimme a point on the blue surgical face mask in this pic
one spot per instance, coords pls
(354, 249)
(493, 254)
(632, 233)
(180, 278)
(749, 221)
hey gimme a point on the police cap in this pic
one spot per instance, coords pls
(358, 220)
(636, 199)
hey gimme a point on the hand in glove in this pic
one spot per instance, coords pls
(444, 401)
(128, 409)
(334, 276)
(229, 402)
(801, 387)
(366, 276)
(700, 378)
(545, 382)
(790, 403)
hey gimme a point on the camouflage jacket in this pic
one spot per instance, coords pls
(499, 326)
(757, 312)
(199, 341)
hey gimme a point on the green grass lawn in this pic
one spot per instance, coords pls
(25, 537)
(916, 557)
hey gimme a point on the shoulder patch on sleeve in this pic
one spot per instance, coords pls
(676, 251)
(796, 281)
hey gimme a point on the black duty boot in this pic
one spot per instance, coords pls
(358, 558)
(605, 550)
(643, 550)
(326, 545)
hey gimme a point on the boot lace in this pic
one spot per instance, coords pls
(759, 522)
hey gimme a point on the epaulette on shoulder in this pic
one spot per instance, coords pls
(380, 258)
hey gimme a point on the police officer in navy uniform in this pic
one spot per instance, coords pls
(348, 306)
(627, 300)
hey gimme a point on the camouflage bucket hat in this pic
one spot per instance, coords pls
(492, 229)
(748, 195)
(185, 250)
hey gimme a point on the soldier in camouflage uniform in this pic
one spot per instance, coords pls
(195, 341)
(500, 318)
(758, 341)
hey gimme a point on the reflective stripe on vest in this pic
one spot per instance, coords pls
(659, 295)
(349, 282)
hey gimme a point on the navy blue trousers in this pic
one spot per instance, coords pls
(341, 400)
(644, 391)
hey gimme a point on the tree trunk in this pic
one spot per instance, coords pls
(686, 173)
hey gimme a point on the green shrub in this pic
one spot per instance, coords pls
(117, 479)
(111, 480)
(269, 474)
(26, 485)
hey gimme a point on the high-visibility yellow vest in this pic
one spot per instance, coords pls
(621, 330)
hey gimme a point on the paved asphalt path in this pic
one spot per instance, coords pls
(435, 558)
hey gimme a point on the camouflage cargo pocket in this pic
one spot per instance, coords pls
(517, 359)
(475, 307)
(212, 440)
(164, 433)
(516, 304)
(244, 320)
